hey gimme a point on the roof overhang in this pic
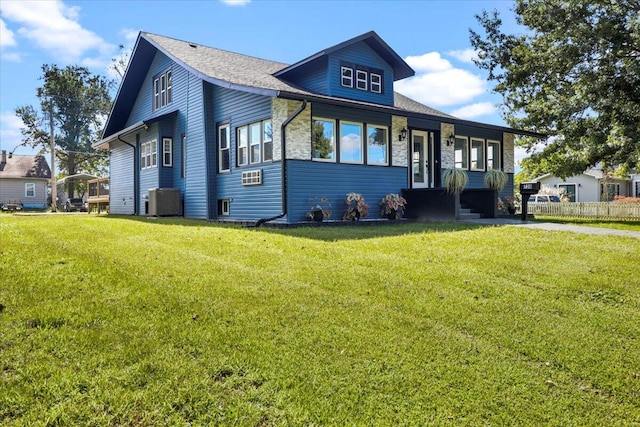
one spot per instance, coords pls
(103, 144)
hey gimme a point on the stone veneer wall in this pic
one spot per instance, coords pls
(399, 149)
(508, 149)
(447, 151)
(298, 132)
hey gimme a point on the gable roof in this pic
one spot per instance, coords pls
(25, 166)
(401, 69)
(250, 74)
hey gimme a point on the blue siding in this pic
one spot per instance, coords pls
(247, 202)
(196, 192)
(254, 201)
(308, 179)
(423, 124)
(476, 180)
(166, 130)
(360, 54)
(350, 114)
(121, 175)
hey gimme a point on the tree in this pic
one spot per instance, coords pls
(573, 75)
(78, 103)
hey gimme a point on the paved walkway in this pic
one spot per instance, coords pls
(556, 227)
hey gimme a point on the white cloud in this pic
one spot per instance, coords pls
(466, 55)
(443, 88)
(235, 2)
(474, 110)
(429, 62)
(6, 35)
(54, 27)
(10, 126)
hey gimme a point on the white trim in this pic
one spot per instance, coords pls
(26, 189)
(362, 77)
(361, 126)
(253, 143)
(575, 185)
(481, 158)
(498, 159)
(225, 207)
(465, 151)
(240, 145)
(346, 76)
(149, 154)
(378, 83)
(386, 135)
(333, 139)
(265, 140)
(166, 151)
(226, 128)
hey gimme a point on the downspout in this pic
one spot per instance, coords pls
(135, 178)
(283, 156)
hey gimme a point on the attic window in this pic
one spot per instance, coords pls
(162, 90)
(347, 76)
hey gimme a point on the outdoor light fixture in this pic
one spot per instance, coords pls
(403, 134)
(451, 139)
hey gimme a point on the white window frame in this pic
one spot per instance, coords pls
(346, 76)
(386, 144)
(224, 208)
(167, 152)
(149, 154)
(255, 145)
(569, 184)
(224, 150)
(333, 139)
(267, 141)
(362, 136)
(242, 145)
(376, 86)
(464, 152)
(496, 161)
(362, 80)
(29, 187)
(162, 90)
(480, 157)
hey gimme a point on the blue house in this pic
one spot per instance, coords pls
(217, 135)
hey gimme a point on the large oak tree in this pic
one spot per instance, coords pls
(78, 102)
(573, 74)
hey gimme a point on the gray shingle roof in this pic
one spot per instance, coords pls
(25, 167)
(230, 69)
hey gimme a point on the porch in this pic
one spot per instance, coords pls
(98, 194)
(435, 204)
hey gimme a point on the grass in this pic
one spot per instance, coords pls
(630, 225)
(123, 321)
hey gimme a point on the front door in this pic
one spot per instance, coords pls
(422, 159)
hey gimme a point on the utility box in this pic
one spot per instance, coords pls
(164, 202)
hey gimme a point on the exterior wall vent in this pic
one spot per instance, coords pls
(253, 177)
(164, 202)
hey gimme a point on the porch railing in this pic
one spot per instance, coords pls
(600, 210)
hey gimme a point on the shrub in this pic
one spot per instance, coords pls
(455, 180)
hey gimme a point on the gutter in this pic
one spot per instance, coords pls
(135, 174)
(283, 154)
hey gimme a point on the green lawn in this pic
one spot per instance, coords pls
(121, 321)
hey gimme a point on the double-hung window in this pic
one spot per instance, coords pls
(362, 80)
(167, 152)
(377, 145)
(30, 189)
(346, 78)
(351, 142)
(323, 140)
(149, 154)
(376, 83)
(461, 152)
(243, 144)
(267, 141)
(224, 159)
(255, 142)
(162, 90)
(477, 154)
(493, 154)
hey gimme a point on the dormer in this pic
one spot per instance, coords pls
(362, 69)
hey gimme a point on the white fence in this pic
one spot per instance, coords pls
(602, 210)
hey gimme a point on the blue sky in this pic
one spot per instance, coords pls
(431, 35)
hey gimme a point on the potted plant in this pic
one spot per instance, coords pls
(392, 206)
(495, 179)
(356, 207)
(320, 209)
(455, 180)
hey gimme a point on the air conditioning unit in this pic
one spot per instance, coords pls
(164, 202)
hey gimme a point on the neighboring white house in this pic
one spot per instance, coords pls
(635, 185)
(591, 185)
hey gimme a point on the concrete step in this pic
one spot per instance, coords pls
(467, 215)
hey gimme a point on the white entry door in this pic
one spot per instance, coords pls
(422, 159)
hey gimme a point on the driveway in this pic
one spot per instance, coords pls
(556, 227)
